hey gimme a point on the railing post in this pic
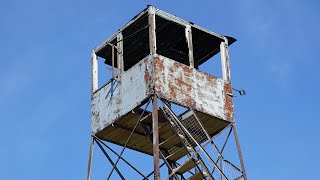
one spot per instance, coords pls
(152, 30)
(225, 63)
(188, 34)
(94, 72)
(120, 54)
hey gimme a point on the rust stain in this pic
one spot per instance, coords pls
(176, 65)
(171, 70)
(210, 77)
(186, 69)
(147, 76)
(184, 87)
(158, 65)
(192, 88)
(189, 102)
(145, 60)
(180, 82)
(177, 78)
(228, 102)
(172, 91)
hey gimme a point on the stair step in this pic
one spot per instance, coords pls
(186, 167)
(170, 142)
(190, 148)
(177, 154)
(197, 176)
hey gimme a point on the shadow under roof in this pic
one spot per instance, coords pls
(170, 39)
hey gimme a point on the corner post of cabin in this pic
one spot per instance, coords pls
(152, 29)
(188, 34)
(94, 87)
(120, 54)
(155, 131)
(94, 72)
(225, 63)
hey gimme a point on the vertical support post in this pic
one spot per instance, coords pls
(120, 54)
(94, 72)
(152, 30)
(112, 70)
(90, 158)
(169, 170)
(190, 46)
(94, 87)
(155, 132)
(225, 61)
(239, 151)
(220, 167)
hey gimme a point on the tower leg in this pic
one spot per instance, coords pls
(90, 158)
(169, 170)
(155, 132)
(239, 151)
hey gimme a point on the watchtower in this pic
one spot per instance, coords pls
(157, 101)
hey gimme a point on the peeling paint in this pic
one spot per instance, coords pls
(228, 102)
(190, 87)
(170, 80)
(119, 97)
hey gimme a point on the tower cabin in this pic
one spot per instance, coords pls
(154, 61)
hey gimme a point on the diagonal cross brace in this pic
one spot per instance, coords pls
(129, 138)
(121, 158)
(110, 160)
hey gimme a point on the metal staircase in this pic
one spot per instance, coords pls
(193, 139)
(194, 160)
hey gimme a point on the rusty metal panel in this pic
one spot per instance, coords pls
(117, 98)
(192, 88)
(228, 105)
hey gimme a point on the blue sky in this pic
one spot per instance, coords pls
(45, 81)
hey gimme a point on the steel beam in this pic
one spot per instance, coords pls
(152, 29)
(239, 151)
(188, 34)
(90, 157)
(128, 129)
(153, 171)
(94, 72)
(120, 54)
(160, 153)
(225, 61)
(200, 147)
(155, 141)
(121, 158)
(110, 160)
(223, 146)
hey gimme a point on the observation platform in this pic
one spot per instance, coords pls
(120, 130)
(163, 62)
